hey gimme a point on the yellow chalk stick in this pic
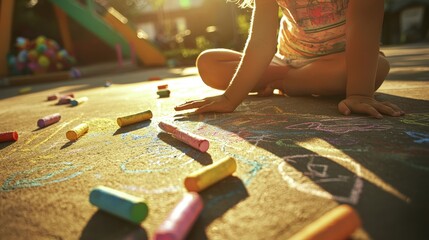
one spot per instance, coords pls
(337, 224)
(77, 132)
(25, 90)
(135, 118)
(209, 175)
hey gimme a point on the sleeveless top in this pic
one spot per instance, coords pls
(312, 28)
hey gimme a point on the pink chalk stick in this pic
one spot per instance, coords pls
(181, 219)
(48, 120)
(191, 139)
(8, 136)
(53, 97)
(64, 100)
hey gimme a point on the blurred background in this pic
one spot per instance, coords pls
(39, 36)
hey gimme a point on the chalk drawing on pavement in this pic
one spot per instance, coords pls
(420, 119)
(319, 173)
(418, 137)
(44, 175)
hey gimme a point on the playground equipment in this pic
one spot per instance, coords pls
(107, 26)
(110, 21)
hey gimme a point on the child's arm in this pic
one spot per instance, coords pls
(258, 53)
(364, 24)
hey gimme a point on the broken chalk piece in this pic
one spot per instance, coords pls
(53, 97)
(135, 118)
(75, 102)
(165, 86)
(64, 100)
(210, 174)
(163, 93)
(120, 204)
(77, 132)
(8, 137)
(339, 223)
(154, 78)
(191, 139)
(48, 120)
(181, 219)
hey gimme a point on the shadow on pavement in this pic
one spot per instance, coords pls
(105, 226)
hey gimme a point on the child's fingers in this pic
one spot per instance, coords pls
(387, 110)
(190, 105)
(395, 107)
(343, 108)
(363, 108)
(206, 108)
(366, 109)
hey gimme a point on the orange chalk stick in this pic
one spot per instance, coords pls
(135, 118)
(337, 224)
(77, 132)
(8, 136)
(165, 86)
(211, 174)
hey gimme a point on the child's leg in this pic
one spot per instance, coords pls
(217, 67)
(326, 76)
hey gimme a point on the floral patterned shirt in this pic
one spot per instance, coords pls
(312, 28)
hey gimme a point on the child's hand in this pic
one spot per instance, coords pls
(368, 105)
(211, 104)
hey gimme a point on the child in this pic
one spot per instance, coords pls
(319, 53)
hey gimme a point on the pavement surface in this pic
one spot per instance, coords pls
(297, 158)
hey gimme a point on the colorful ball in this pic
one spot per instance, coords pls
(32, 55)
(21, 42)
(40, 40)
(41, 48)
(44, 61)
(22, 56)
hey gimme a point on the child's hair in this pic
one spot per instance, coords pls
(244, 3)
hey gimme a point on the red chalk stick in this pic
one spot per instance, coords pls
(64, 100)
(191, 139)
(8, 136)
(48, 120)
(155, 78)
(53, 97)
(165, 86)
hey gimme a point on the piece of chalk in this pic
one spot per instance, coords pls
(339, 223)
(163, 93)
(53, 97)
(77, 132)
(181, 219)
(25, 90)
(191, 139)
(165, 86)
(8, 137)
(75, 102)
(154, 78)
(48, 120)
(135, 118)
(64, 100)
(120, 204)
(210, 174)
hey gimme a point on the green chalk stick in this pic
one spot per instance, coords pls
(163, 93)
(120, 204)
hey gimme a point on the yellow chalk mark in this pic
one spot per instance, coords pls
(63, 125)
(326, 150)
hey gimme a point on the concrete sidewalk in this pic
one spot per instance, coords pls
(297, 159)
